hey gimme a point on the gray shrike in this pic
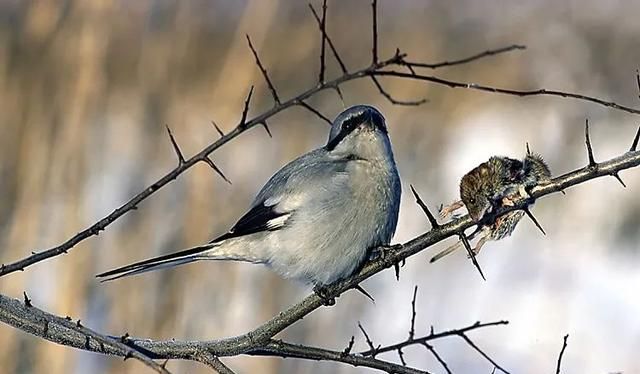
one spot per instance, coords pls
(318, 217)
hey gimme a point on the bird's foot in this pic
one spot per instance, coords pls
(323, 294)
(382, 252)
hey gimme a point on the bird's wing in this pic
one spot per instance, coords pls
(289, 189)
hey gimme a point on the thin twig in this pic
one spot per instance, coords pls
(374, 24)
(506, 91)
(478, 56)
(412, 330)
(325, 35)
(265, 75)
(392, 100)
(564, 346)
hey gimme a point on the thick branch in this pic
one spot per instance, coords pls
(25, 318)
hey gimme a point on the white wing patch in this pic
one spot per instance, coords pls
(278, 222)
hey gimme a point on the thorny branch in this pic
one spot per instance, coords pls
(374, 70)
(26, 317)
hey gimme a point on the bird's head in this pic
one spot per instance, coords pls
(359, 131)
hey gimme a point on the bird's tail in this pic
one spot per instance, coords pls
(225, 250)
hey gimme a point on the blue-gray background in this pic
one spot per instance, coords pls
(86, 88)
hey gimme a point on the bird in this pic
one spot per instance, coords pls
(317, 219)
(499, 182)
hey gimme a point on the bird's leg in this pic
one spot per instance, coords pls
(383, 251)
(323, 293)
(448, 210)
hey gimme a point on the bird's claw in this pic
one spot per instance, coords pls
(382, 252)
(323, 294)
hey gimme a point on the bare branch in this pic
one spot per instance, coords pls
(325, 35)
(175, 147)
(425, 209)
(374, 24)
(412, 330)
(478, 56)
(35, 321)
(505, 91)
(323, 31)
(264, 73)
(288, 350)
(482, 353)
(430, 337)
(315, 111)
(395, 101)
(564, 346)
(437, 356)
(368, 340)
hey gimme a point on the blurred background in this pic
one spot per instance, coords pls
(86, 88)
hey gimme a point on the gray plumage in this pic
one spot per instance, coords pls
(317, 218)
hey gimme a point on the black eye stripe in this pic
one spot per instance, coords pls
(347, 127)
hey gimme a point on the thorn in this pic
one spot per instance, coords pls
(78, 324)
(349, 347)
(592, 162)
(425, 209)
(264, 72)
(181, 160)
(472, 255)
(617, 176)
(213, 166)
(374, 50)
(128, 355)
(164, 364)
(396, 269)
(339, 92)
(217, 128)
(243, 120)
(535, 221)
(563, 192)
(314, 111)
(528, 150)
(634, 145)
(27, 300)
(364, 292)
(266, 128)
(68, 318)
(638, 81)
